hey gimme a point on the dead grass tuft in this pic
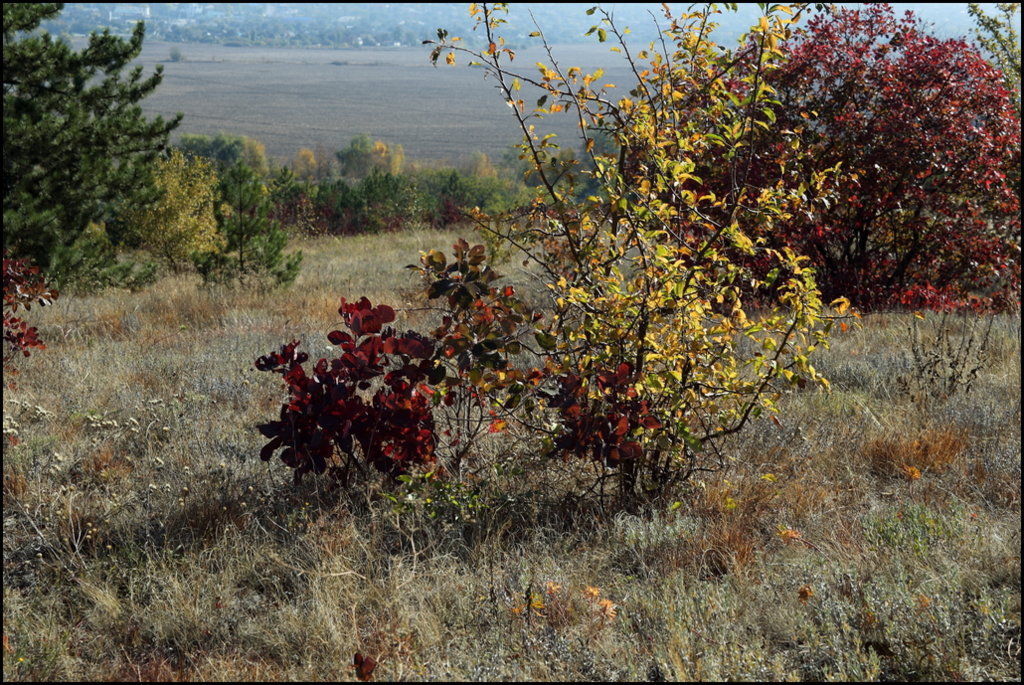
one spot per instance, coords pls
(15, 483)
(931, 450)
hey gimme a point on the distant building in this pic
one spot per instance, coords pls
(129, 13)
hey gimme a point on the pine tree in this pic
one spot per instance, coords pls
(76, 145)
(254, 242)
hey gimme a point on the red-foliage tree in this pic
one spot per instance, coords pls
(926, 213)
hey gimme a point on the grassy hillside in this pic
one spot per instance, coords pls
(871, 533)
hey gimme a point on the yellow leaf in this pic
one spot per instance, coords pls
(450, 59)
(841, 304)
(912, 472)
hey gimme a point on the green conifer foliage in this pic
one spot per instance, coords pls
(254, 243)
(76, 145)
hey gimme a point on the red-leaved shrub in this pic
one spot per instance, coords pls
(23, 286)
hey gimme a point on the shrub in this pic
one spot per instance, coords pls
(182, 221)
(22, 287)
(376, 401)
(649, 353)
(326, 416)
(653, 351)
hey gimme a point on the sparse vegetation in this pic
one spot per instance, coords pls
(145, 539)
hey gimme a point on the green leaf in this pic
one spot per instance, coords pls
(545, 340)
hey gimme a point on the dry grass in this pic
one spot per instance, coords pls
(934, 450)
(871, 535)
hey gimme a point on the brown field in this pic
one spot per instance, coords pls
(872, 534)
(291, 98)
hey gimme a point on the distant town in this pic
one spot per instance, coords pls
(337, 25)
(350, 25)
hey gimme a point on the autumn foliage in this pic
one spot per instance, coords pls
(644, 351)
(182, 221)
(928, 139)
(328, 423)
(653, 351)
(680, 252)
(375, 403)
(23, 287)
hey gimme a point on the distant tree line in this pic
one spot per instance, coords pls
(366, 187)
